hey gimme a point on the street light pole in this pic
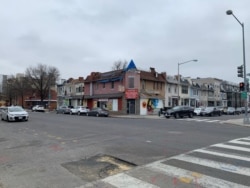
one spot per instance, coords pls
(230, 12)
(178, 85)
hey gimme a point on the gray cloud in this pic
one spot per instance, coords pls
(79, 37)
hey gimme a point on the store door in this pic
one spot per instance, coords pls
(130, 106)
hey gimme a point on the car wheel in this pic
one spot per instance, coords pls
(97, 114)
(8, 119)
(167, 117)
(191, 115)
(177, 115)
(87, 114)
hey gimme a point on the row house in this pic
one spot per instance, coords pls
(189, 92)
(133, 91)
(71, 92)
(231, 96)
(210, 91)
(171, 98)
(202, 92)
(129, 91)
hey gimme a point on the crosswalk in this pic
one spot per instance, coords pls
(222, 165)
(202, 120)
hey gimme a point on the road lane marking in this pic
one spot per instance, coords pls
(123, 180)
(239, 142)
(232, 147)
(203, 180)
(215, 164)
(211, 121)
(202, 119)
(222, 154)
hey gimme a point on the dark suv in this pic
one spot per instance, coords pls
(180, 111)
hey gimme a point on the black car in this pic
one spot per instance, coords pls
(98, 112)
(180, 111)
(211, 111)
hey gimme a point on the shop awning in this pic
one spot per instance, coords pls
(104, 96)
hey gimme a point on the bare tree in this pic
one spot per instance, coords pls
(9, 92)
(118, 65)
(20, 86)
(41, 78)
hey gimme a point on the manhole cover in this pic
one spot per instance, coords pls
(97, 167)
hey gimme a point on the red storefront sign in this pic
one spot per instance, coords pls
(131, 93)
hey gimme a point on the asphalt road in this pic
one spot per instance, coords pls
(40, 152)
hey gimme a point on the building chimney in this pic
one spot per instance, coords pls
(152, 69)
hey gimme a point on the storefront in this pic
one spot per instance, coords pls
(131, 95)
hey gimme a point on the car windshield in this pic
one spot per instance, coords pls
(209, 108)
(176, 108)
(16, 109)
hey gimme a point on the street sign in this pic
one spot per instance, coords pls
(244, 95)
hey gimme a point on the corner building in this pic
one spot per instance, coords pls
(128, 91)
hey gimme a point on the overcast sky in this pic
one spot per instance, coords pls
(82, 36)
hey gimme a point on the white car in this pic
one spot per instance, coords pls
(197, 111)
(38, 108)
(73, 111)
(14, 113)
(82, 110)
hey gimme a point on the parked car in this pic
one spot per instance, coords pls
(82, 110)
(163, 110)
(63, 110)
(2, 108)
(180, 111)
(73, 111)
(229, 111)
(14, 113)
(238, 110)
(221, 108)
(197, 111)
(38, 108)
(211, 111)
(98, 112)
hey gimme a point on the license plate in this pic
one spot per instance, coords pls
(20, 117)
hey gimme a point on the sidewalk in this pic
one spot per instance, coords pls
(138, 116)
(237, 122)
(230, 121)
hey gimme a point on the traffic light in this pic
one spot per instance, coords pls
(240, 71)
(241, 86)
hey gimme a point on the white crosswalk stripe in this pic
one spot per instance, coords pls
(201, 120)
(199, 179)
(214, 164)
(209, 167)
(123, 180)
(232, 147)
(232, 156)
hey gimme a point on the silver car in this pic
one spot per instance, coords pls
(14, 113)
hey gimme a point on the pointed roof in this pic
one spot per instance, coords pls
(131, 65)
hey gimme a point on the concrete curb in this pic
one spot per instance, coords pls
(236, 122)
(137, 116)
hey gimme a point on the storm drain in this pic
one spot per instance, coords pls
(97, 167)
